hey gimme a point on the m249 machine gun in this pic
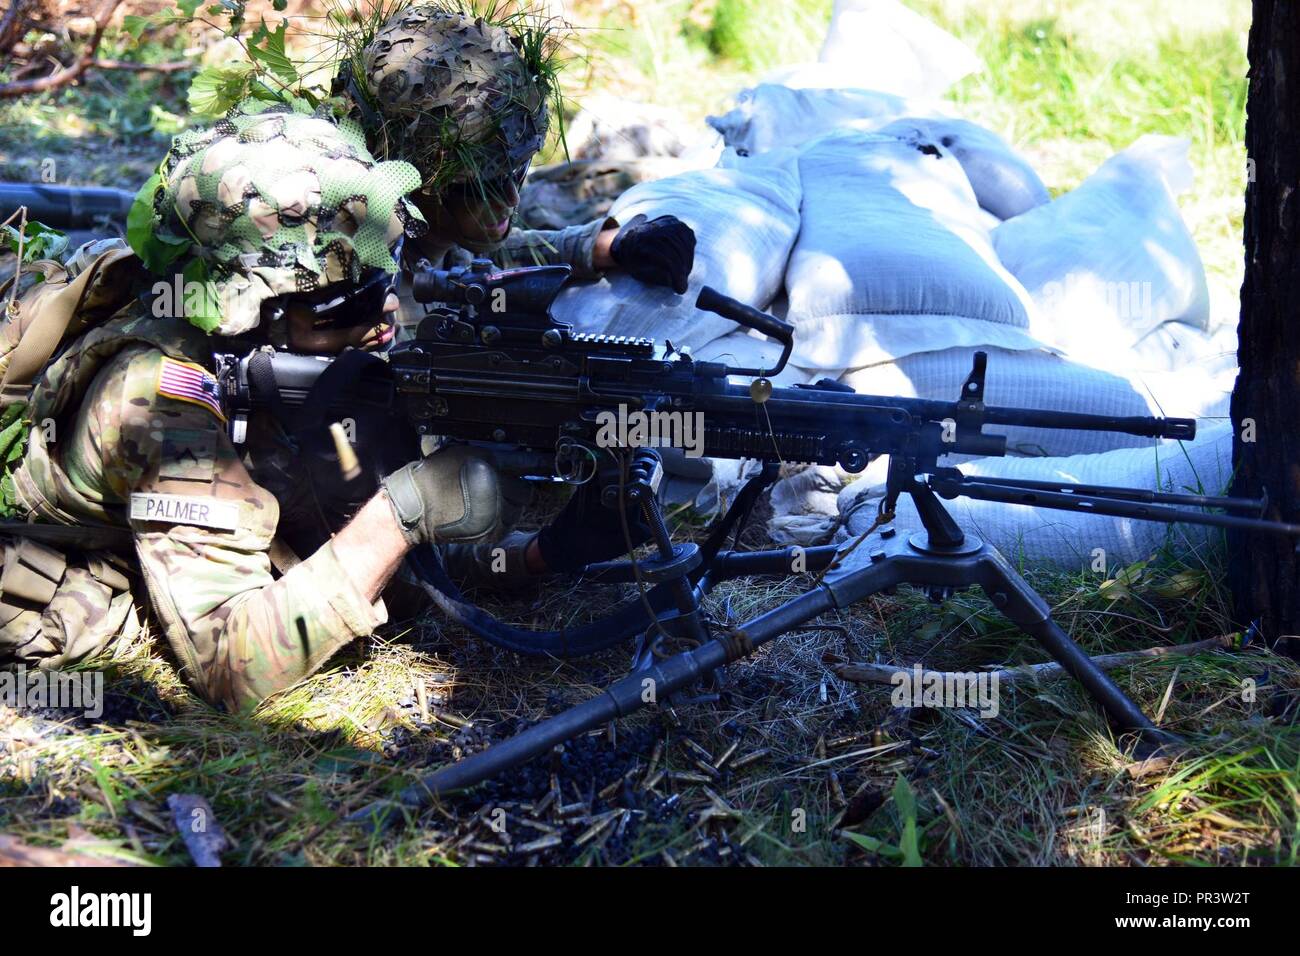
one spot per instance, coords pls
(490, 365)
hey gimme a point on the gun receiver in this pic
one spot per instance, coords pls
(491, 365)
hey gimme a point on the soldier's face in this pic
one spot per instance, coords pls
(475, 214)
(467, 218)
(304, 337)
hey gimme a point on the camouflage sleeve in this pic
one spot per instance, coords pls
(573, 246)
(203, 530)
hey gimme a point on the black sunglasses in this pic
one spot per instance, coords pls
(344, 306)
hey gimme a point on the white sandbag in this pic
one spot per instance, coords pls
(893, 257)
(1016, 379)
(883, 45)
(771, 116)
(1066, 540)
(1003, 181)
(745, 215)
(1109, 261)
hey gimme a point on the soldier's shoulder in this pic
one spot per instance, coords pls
(145, 377)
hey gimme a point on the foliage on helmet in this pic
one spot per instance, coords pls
(274, 199)
(461, 93)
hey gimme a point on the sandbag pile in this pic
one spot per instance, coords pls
(898, 239)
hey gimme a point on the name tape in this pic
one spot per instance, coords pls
(185, 509)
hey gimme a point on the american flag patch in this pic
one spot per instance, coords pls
(186, 382)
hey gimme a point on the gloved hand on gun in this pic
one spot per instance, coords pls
(659, 251)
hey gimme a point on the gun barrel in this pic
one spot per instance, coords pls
(1145, 426)
(65, 207)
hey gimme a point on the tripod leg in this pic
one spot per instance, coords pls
(1023, 607)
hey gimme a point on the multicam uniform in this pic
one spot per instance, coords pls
(134, 445)
(138, 439)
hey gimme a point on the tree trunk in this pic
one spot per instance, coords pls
(1263, 570)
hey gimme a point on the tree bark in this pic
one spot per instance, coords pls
(1263, 570)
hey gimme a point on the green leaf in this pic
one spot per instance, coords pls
(905, 801)
(271, 53)
(279, 5)
(136, 25)
(202, 307)
(155, 251)
(39, 241)
(215, 89)
(187, 7)
(139, 219)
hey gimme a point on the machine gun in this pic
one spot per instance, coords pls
(490, 365)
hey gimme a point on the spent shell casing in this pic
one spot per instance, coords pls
(422, 699)
(349, 467)
(594, 830)
(708, 769)
(610, 790)
(655, 755)
(543, 803)
(537, 825)
(837, 791)
(727, 755)
(449, 718)
(750, 757)
(686, 777)
(698, 750)
(542, 843)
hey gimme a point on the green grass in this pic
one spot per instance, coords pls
(1043, 783)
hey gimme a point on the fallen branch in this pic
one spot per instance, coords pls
(64, 76)
(14, 852)
(862, 673)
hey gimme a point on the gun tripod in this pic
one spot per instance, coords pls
(939, 558)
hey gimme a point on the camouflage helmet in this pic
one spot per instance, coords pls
(274, 200)
(454, 95)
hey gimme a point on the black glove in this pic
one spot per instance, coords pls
(659, 251)
(586, 532)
